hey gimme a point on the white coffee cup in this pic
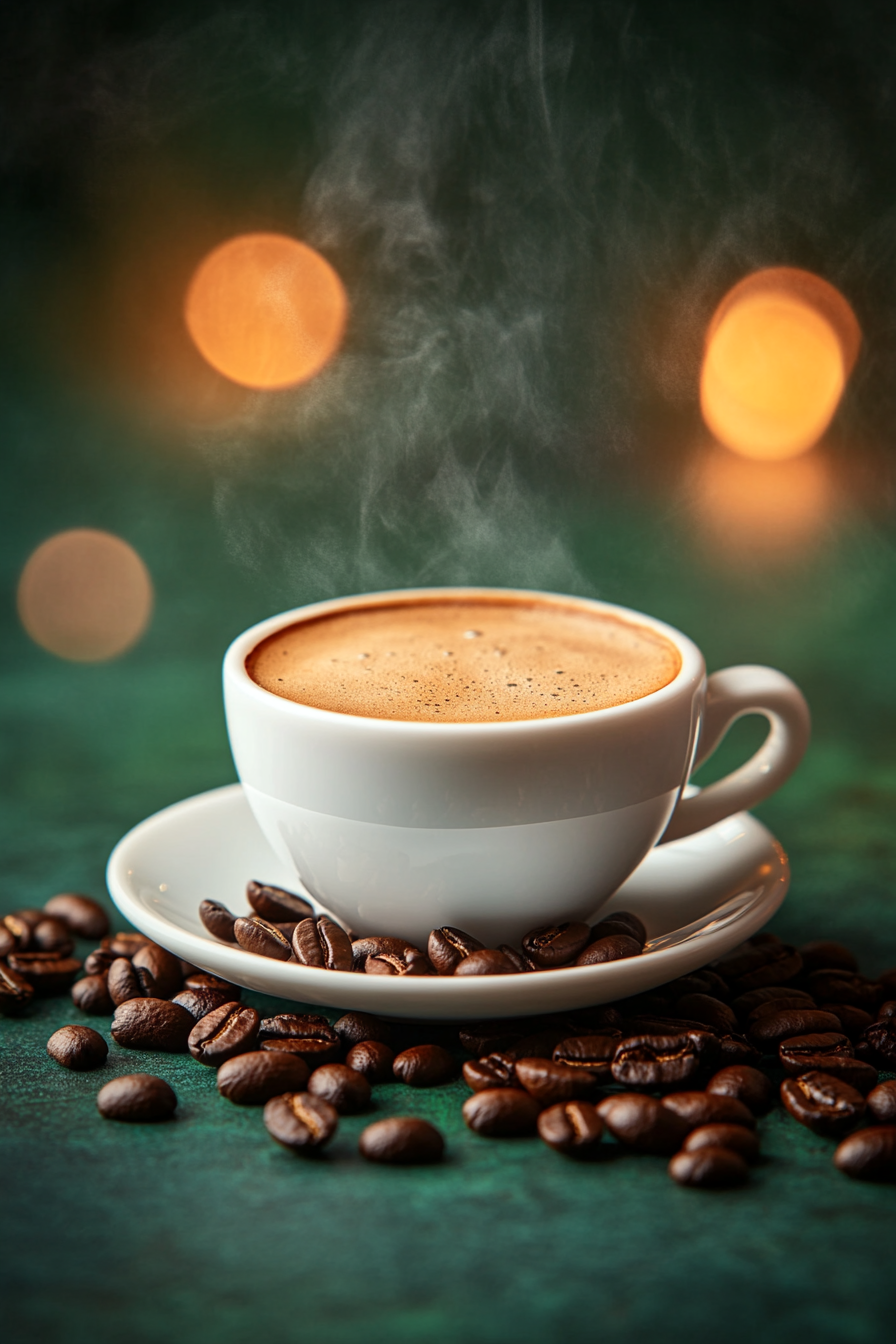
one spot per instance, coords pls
(399, 827)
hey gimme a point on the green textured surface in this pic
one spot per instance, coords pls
(536, 209)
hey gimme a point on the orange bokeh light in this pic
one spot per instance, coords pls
(778, 353)
(85, 595)
(761, 510)
(266, 310)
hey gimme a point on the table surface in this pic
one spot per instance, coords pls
(508, 429)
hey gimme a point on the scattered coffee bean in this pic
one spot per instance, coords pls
(253, 1078)
(18, 924)
(708, 1010)
(124, 944)
(709, 1169)
(720, 1135)
(615, 947)
(200, 1002)
(84, 917)
(494, 1070)
(15, 992)
(652, 1062)
(45, 971)
(229, 1030)
(353, 1028)
(91, 995)
(424, 1066)
(781, 1005)
(734, 1049)
(151, 1024)
(745, 1004)
(257, 935)
(549, 1083)
(276, 905)
(321, 942)
(99, 960)
(768, 1032)
(887, 1009)
(703, 981)
(447, 948)
(521, 964)
(642, 1122)
(745, 1084)
(300, 1121)
(136, 1097)
(407, 961)
(51, 935)
(853, 1020)
(77, 1048)
(202, 980)
(876, 1045)
(501, 1113)
(340, 1085)
(401, 1141)
(486, 961)
(823, 1104)
(218, 920)
(620, 921)
(708, 1108)
(125, 982)
(483, 1038)
(830, 1053)
(755, 966)
(538, 1045)
(592, 1053)
(573, 1128)
(841, 987)
(869, 1155)
(881, 1102)
(7, 941)
(305, 1034)
(823, 956)
(372, 1059)
(553, 945)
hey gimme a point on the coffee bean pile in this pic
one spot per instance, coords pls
(685, 1070)
(284, 926)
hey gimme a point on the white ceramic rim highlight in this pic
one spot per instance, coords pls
(440, 998)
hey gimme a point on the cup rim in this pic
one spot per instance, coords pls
(692, 668)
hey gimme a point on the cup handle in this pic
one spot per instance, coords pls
(730, 694)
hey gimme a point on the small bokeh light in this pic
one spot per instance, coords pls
(765, 512)
(779, 351)
(85, 595)
(266, 310)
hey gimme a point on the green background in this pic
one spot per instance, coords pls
(535, 210)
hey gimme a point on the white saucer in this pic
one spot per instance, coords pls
(699, 897)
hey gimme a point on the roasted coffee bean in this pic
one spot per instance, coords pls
(768, 1032)
(91, 995)
(553, 945)
(781, 1006)
(408, 961)
(300, 1121)
(881, 1102)
(151, 1024)
(305, 1034)
(719, 1135)
(651, 1062)
(754, 967)
(573, 1128)
(486, 961)
(125, 982)
(15, 992)
(887, 1009)
(828, 1053)
(548, 1082)
(7, 941)
(202, 980)
(594, 1054)
(712, 1012)
(401, 1141)
(709, 1169)
(853, 1020)
(77, 1048)
(495, 1070)
(744, 1084)
(353, 1028)
(745, 1004)
(340, 1085)
(708, 1108)
(84, 917)
(253, 1078)
(218, 920)
(615, 947)
(229, 1030)
(276, 905)
(876, 1045)
(45, 971)
(823, 1104)
(124, 944)
(869, 1155)
(99, 960)
(703, 981)
(521, 964)
(321, 942)
(424, 1066)
(620, 921)
(163, 966)
(484, 1038)
(19, 929)
(51, 935)
(136, 1097)
(362, 948)
(842, 987)
(647, 1025)
(734, 1049)
(373, 1059)
(824, 956)
(501, 1112)
(832, 1043)
(255, 934)
(538, 1045)
(642, 1122)
(200, 1002)
(447, 948)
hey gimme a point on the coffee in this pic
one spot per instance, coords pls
(460, 660)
